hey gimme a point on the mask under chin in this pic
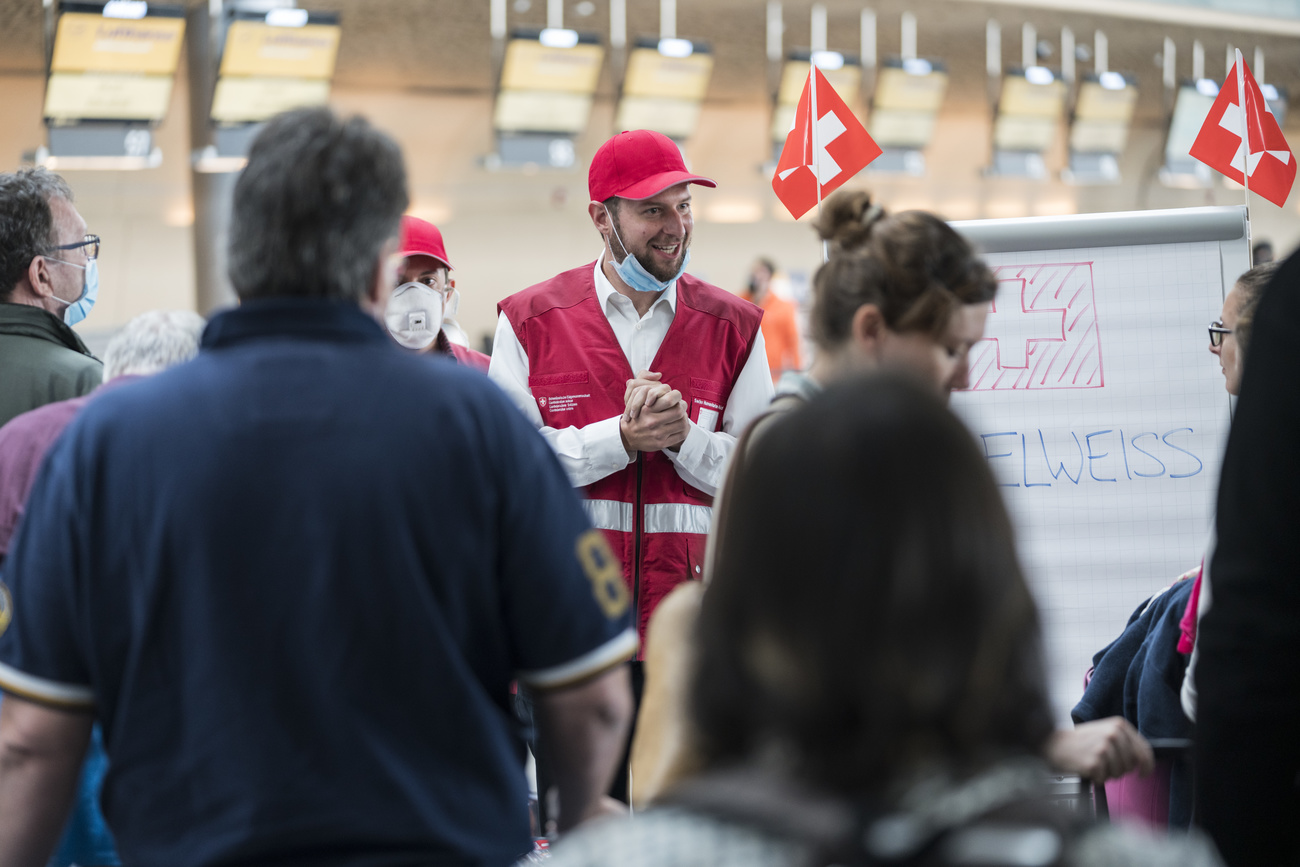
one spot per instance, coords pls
(635, 275)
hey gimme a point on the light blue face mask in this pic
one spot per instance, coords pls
(80, 309)
(634, 274)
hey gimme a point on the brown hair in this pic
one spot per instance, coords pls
(911, 265)
(1252, 285)
(888, 625)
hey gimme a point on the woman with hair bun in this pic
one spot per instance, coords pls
(901, 290)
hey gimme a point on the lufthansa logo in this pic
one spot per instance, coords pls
(6, 608)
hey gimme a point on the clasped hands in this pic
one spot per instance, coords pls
(654, 415)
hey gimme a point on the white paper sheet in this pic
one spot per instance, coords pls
(1103, 416)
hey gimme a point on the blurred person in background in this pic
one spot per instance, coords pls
(899, 292)
(49, 280)
(419, 308)
(1247, 678)
(870, 685)
(780, 320)
(1229, 340)
(1145, 673)
(1262, 253)
(299, 653)
(148, 344)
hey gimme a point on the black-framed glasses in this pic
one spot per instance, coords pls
(90, 241)
(1218, 332)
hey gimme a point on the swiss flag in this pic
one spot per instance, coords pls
(843, 149)
(1260, 150)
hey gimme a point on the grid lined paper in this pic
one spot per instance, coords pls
(1111, 483)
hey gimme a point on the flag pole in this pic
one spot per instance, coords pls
(1245, 138)
(812, 126)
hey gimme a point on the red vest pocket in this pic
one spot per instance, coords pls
(706, 403)
(563, 378)
(559, 394)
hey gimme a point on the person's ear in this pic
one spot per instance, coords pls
(381, 284)
(599, 217)
(867, 330)
(40, 277)
(603, 221)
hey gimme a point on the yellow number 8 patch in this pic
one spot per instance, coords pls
(604, 572)
(6, 608)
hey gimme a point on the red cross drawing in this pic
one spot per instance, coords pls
(1013, 326)
(1042, 331)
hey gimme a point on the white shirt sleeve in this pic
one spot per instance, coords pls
(587, 453)
(702, 459)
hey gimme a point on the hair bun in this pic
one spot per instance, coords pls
(847, 219)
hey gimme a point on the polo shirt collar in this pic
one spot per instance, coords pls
(307, 318)
(604, 289)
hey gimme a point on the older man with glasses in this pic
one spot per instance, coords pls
(48, 282)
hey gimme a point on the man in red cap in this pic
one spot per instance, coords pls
(639, 375)
(419, 310)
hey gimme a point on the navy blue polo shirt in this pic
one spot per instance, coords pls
(294, 579)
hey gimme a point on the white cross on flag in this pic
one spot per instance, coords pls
(838, 149)
(1251, 149)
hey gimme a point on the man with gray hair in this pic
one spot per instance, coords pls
(49, 279)
(247, 568)
(150, 343)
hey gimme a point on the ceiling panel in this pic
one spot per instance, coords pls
(444, 45)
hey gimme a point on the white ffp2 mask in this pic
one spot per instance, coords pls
(414, 315)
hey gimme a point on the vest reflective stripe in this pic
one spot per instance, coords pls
(610, 515)
(677, 518)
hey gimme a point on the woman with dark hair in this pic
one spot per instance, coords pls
(869, 685)
(887, 627)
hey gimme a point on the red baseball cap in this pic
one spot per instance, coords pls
(638, 164)
(422, 238)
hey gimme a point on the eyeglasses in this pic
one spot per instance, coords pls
(91, 241)
(1218, 332)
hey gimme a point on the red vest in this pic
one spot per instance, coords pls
(468, 357)
(655, 521)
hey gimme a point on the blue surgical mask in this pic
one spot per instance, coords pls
(634, 274)
(80, 309)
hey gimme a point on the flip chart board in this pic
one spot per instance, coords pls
(1101, 412)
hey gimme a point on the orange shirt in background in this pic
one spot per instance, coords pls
(780, 333)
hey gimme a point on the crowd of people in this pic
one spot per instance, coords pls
(302, 585)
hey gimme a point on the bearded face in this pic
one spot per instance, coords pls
(657, 230)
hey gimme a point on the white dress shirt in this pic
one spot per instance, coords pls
(592, 452)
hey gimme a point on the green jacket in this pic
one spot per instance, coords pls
(41, 360)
